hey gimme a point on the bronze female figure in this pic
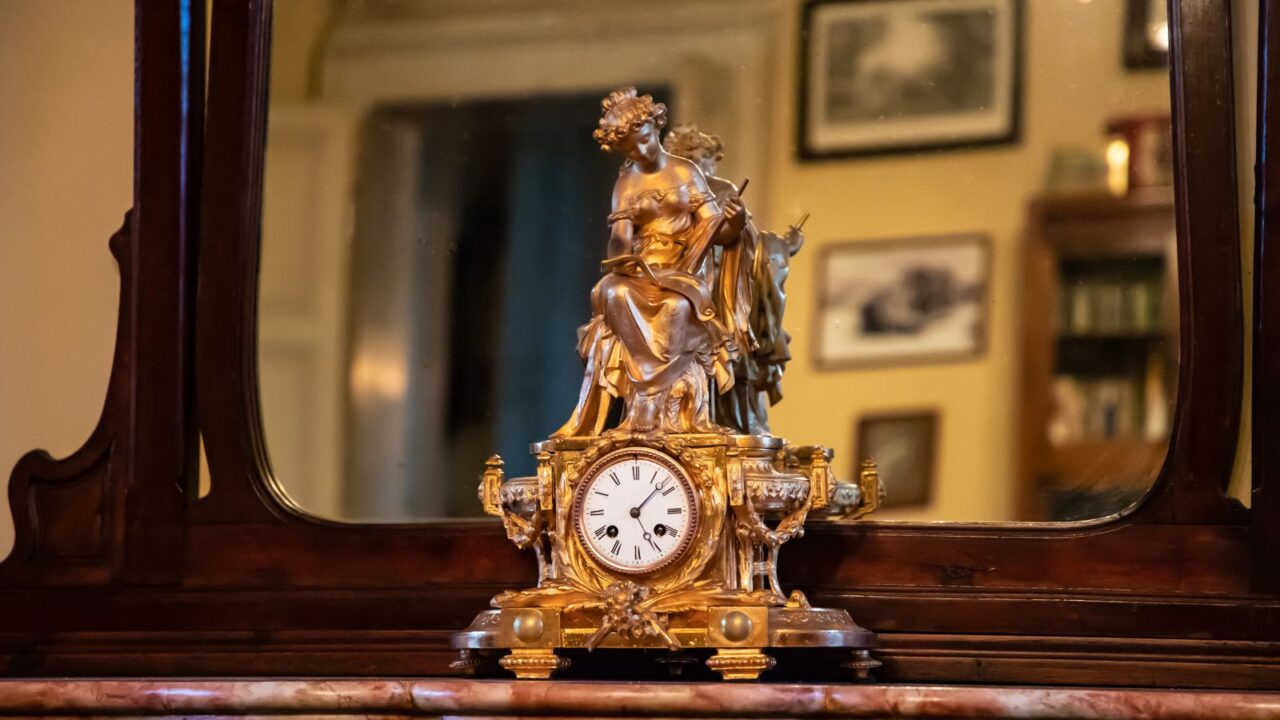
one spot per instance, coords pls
(660, 331)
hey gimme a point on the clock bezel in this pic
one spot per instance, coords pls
(683, 478)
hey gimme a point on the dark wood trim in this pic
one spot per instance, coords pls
(1202, 451)
(227, 358)
(917, 658)
(162, 453)
(120, 571)
(1266, 307)
(1231, 641)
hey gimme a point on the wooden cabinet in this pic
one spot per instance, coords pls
(121, 567)
(1099, 351)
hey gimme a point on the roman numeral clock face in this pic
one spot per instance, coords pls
(635, 511)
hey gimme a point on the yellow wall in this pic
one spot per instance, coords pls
(1073, 79)
(298, 26)
(1245, 48)
(66, 169)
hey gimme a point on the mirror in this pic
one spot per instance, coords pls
(984, 299)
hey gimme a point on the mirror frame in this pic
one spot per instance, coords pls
(1265, 489)
(120, 567)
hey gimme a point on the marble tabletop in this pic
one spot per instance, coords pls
(512, 698)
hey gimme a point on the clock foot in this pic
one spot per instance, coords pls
(740, 664)
(862, 664)
(533, 663)
(676, 663)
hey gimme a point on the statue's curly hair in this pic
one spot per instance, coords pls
(683, 139)
(623, 112)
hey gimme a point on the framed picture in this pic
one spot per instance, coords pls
(889, 76)
(1146, 34)
(903, 446)
(884, 302)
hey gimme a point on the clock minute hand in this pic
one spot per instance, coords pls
(636, 513)
(655, 492)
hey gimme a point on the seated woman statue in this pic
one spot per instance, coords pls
(658, 334)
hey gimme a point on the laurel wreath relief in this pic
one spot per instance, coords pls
(634, 610)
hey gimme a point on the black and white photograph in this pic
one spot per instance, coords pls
(903, 447)
(884, 76)
(915, 300)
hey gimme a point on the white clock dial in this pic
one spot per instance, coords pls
(635, 511)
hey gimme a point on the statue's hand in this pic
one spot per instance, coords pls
(794, 239)
(735, 215)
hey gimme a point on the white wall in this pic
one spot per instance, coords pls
(66, 168)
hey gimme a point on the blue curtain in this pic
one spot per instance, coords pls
(560, 184)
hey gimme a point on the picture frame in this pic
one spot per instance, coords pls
(880, 77)
(902, 301)
(1146, 34)
(904, 447)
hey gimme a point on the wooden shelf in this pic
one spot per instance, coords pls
(1071, 239)
(1112, 337)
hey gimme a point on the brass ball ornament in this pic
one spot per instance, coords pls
(527, 626)
(736, 626)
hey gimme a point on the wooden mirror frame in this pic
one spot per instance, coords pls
(120, 568)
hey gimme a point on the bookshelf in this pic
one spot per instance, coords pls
(1099, 351)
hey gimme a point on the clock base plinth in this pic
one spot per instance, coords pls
(664, 546)
(741, 635)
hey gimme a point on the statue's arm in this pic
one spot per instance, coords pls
(735, 215)
(708, 208)
(621, 234)
(621, 231)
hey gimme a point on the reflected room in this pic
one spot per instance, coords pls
(979, 255)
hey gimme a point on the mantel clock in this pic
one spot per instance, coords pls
(659, 508)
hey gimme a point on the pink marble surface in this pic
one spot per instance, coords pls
(501, 698)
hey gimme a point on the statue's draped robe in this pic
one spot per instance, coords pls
(657, 335)
(759, 283)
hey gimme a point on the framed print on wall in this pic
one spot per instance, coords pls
(890, 76)
(884, 302)
(903, 444)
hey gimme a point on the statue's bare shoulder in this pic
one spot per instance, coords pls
(687, 171)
